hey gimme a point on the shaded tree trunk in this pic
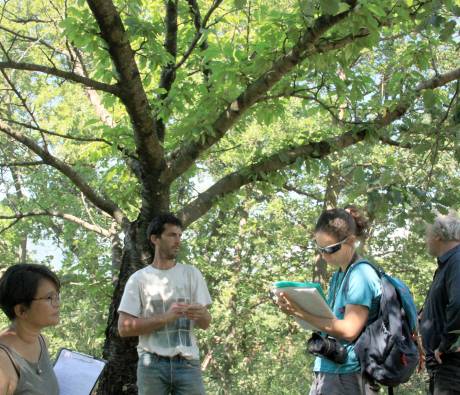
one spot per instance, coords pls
(22, 253)
(119, 376)
(117, 255)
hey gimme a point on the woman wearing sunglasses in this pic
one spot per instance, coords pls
(337, 233)
(29, 296)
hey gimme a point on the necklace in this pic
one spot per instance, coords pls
(38, 369)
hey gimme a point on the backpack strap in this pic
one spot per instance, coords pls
(13, 362)
(377, 269)
(386, 310)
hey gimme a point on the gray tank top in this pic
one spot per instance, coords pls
(33, 378)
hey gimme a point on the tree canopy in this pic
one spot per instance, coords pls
(244, 110)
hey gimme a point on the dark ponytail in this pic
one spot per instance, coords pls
(342, 223)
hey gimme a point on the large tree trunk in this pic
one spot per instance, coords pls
(119, 377)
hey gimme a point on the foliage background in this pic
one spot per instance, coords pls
(260, 232)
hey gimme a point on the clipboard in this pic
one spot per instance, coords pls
(77, 373)
(309, 296)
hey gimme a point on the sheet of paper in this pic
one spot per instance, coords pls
(310, 300)
(77, 373)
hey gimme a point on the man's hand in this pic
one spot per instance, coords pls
(196, 312)
(199, 314)
(437, 356)
(177, 310)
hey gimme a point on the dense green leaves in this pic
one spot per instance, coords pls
(361, 75)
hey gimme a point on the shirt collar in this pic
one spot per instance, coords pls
(446, 256)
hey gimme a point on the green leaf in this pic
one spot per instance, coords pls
(91, 122)
(359, 176)
(429, 99)
(376, 9)
(329, 7)
(448, 30)
(240, 3)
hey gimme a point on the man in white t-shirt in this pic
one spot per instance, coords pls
(161, 304)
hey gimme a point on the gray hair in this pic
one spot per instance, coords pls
(447, 227)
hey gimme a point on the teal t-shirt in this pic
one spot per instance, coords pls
(363, 289)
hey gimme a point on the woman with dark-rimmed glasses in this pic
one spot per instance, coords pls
(337, 233)
(29, 296)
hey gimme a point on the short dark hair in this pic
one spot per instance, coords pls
(157, 225)
(19, 285)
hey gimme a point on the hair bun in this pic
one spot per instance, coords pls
(361, 220)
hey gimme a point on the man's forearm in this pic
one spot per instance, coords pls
(132, 326)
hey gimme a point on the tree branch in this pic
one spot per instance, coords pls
(312, 150)
(200, 27)
(168, 72)
(258, 171)
(388, 141)
(92, 94)
(102, 203)
(307, 45)
(404, 104)
(299, 191)
(22, 164)
(26, 21)
(66, 75)
(122, 149)
(28, 38)
(53, 213)
(132, 93)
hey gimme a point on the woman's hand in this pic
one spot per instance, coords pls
(288, 306)
(348, 328)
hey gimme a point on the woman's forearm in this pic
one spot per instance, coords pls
(348, 328)
(345, 329)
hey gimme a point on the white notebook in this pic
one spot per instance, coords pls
(309, 297)
(77, 373)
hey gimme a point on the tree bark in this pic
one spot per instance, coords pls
(119, 376)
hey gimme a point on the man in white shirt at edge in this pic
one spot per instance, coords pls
(161, 304)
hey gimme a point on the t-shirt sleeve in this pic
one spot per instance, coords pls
(131, 301)
(363, 286)
(200, 289)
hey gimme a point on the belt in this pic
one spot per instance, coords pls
(177, 357)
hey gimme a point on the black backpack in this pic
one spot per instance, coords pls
(386, 349)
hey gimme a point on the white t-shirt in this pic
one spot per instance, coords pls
(151, 291)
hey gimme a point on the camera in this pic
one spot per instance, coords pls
(327, 347)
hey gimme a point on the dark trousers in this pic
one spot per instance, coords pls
(445, 378)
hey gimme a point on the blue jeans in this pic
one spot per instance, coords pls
(157, 375)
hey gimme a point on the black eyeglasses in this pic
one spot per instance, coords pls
(53, 299)
(331, 248)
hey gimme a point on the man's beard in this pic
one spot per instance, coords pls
(172, 254)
